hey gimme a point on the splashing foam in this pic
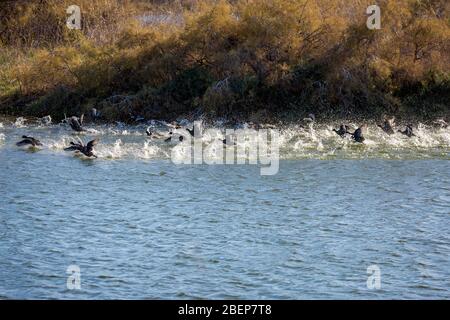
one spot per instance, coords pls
(59, 144)
(114, 151)
(294, 142)
(149, 151)
(20, 122)
(321, 142)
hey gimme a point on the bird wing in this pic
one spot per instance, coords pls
(75, 124)
(23, 142)
(91, 144)
(35, 142)
(72, 148)
(80, 142)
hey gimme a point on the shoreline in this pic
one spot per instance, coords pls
(271, 122)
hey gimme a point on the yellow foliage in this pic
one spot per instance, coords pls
(265, 40)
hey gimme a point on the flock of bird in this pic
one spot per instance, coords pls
(88, 149)
(387, 126)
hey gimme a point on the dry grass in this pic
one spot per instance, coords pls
(229, 57)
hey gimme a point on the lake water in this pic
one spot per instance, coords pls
(139, 226)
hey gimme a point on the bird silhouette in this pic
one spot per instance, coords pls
(29, 141)
(76, 123)
(87, 149)
(343, 130)
(358, 134)
(408, 131)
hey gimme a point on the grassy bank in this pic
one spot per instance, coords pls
(246, 59)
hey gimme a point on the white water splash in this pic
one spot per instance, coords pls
(149, 151)
(294, 142)
(20, 122)
(114, 151)
(60, 143)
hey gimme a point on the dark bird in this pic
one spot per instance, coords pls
(358, 134)
(408, 131)
(343, 130)
(87, 149)
(388, 126)
(154, 134)
(191, 131)
(29, 141)
(76, 123)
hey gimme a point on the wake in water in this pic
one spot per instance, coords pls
(311, 141)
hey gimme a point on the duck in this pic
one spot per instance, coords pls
(87, 149)
(28, 141)
(155, 135)
(343, 130)
(388, 125)
(408, 131)
(76, 123)
(358, 135)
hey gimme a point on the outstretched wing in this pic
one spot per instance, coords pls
(74, 146)
(75, 125)
(23, 142)
(91, 144)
